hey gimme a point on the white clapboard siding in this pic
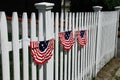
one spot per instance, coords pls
(15, 40)
(4, 47)
(25, 46)
(33, 38)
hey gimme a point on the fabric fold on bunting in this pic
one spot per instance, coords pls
(81, 37)
(66, 39)
(41, 51)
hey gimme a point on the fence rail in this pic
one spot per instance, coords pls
(77, 63)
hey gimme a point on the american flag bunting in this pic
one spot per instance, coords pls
(81, 37)
(41, 51)
(66, 39)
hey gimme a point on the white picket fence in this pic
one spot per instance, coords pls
(79, 63)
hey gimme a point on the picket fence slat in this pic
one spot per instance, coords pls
(4, 47)
(65, 54)
(69, 52)
(25, 47)
(87, 46)
(76, 52)
(77, 56)
(73, 48)
(49, 35)
(61, 49)
(41, 38)
(15, 40)
(85, 54)
(56, 48)
(91, 44)
(81, 61)
(33, 37)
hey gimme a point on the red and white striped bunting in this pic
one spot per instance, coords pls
(40, 57)
(66, 43)
(81, 37)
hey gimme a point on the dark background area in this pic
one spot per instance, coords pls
(86, 5)
(81, 5)
(21, 6)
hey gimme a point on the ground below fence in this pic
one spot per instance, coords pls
(111, 71)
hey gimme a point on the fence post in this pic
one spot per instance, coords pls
(117, 43)
(98, 9)
(45, 32)
(44, 8)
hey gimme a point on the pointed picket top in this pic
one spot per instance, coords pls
(15, 25)
(76, 24)
(4, 47)
(70, 21)
(82, 18)
(73, 22)
(33, 27)
(62, 21)
(24, 25)
(80, 21)
(15, 18)
(3, 20)
(66, 22)
(24, 18)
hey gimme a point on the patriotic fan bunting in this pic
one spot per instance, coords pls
(41, 51)
(66, 39)
(81, 37)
